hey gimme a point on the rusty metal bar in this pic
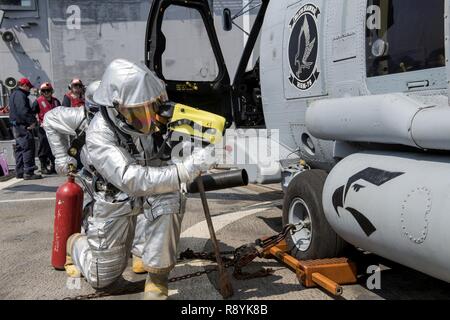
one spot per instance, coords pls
(226, 289)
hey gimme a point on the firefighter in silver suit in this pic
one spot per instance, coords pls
(119, 151)
(63, 126)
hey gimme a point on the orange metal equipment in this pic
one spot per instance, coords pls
(328, 274)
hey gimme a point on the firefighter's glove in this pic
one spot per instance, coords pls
(200, 161)
(62, 165)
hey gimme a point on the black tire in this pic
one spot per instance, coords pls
(324, 243)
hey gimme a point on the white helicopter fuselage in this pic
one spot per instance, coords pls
(341, 65)
(360, 89)
(357, 91)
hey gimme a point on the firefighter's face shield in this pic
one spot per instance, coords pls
(143, 117)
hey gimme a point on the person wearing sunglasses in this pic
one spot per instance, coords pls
(43, 104)
(75, 97)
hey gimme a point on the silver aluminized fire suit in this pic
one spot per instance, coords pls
(128, 186)
(61, 125)
(129, 189)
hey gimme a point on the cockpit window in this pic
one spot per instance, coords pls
(17, 5)
(404, 36)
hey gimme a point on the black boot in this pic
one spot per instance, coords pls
(52, 167)
(44, 169)
(32, 176)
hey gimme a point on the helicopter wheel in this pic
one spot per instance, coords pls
(313, 238)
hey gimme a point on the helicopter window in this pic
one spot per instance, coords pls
(182, 60)
(404, 36)
(18, 5)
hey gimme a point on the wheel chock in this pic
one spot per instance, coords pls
(329, 274)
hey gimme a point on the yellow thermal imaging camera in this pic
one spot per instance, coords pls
(198, 124)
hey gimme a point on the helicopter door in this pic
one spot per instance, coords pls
(183, 49)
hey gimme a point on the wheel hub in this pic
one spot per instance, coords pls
(299, 215)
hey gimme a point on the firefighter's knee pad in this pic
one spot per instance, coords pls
(107, 266)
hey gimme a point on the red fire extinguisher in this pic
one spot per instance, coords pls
(68, 215)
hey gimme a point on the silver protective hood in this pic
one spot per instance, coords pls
(90, 91)
(129, 84)
(90, 105)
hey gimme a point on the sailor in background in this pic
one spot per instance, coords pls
(23, 120)
(41, 106)
(75, 97)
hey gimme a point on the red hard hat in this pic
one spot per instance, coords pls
(76, 81)
(25, 82)
(46, 86)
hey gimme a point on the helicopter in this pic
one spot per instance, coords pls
(358, 90)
